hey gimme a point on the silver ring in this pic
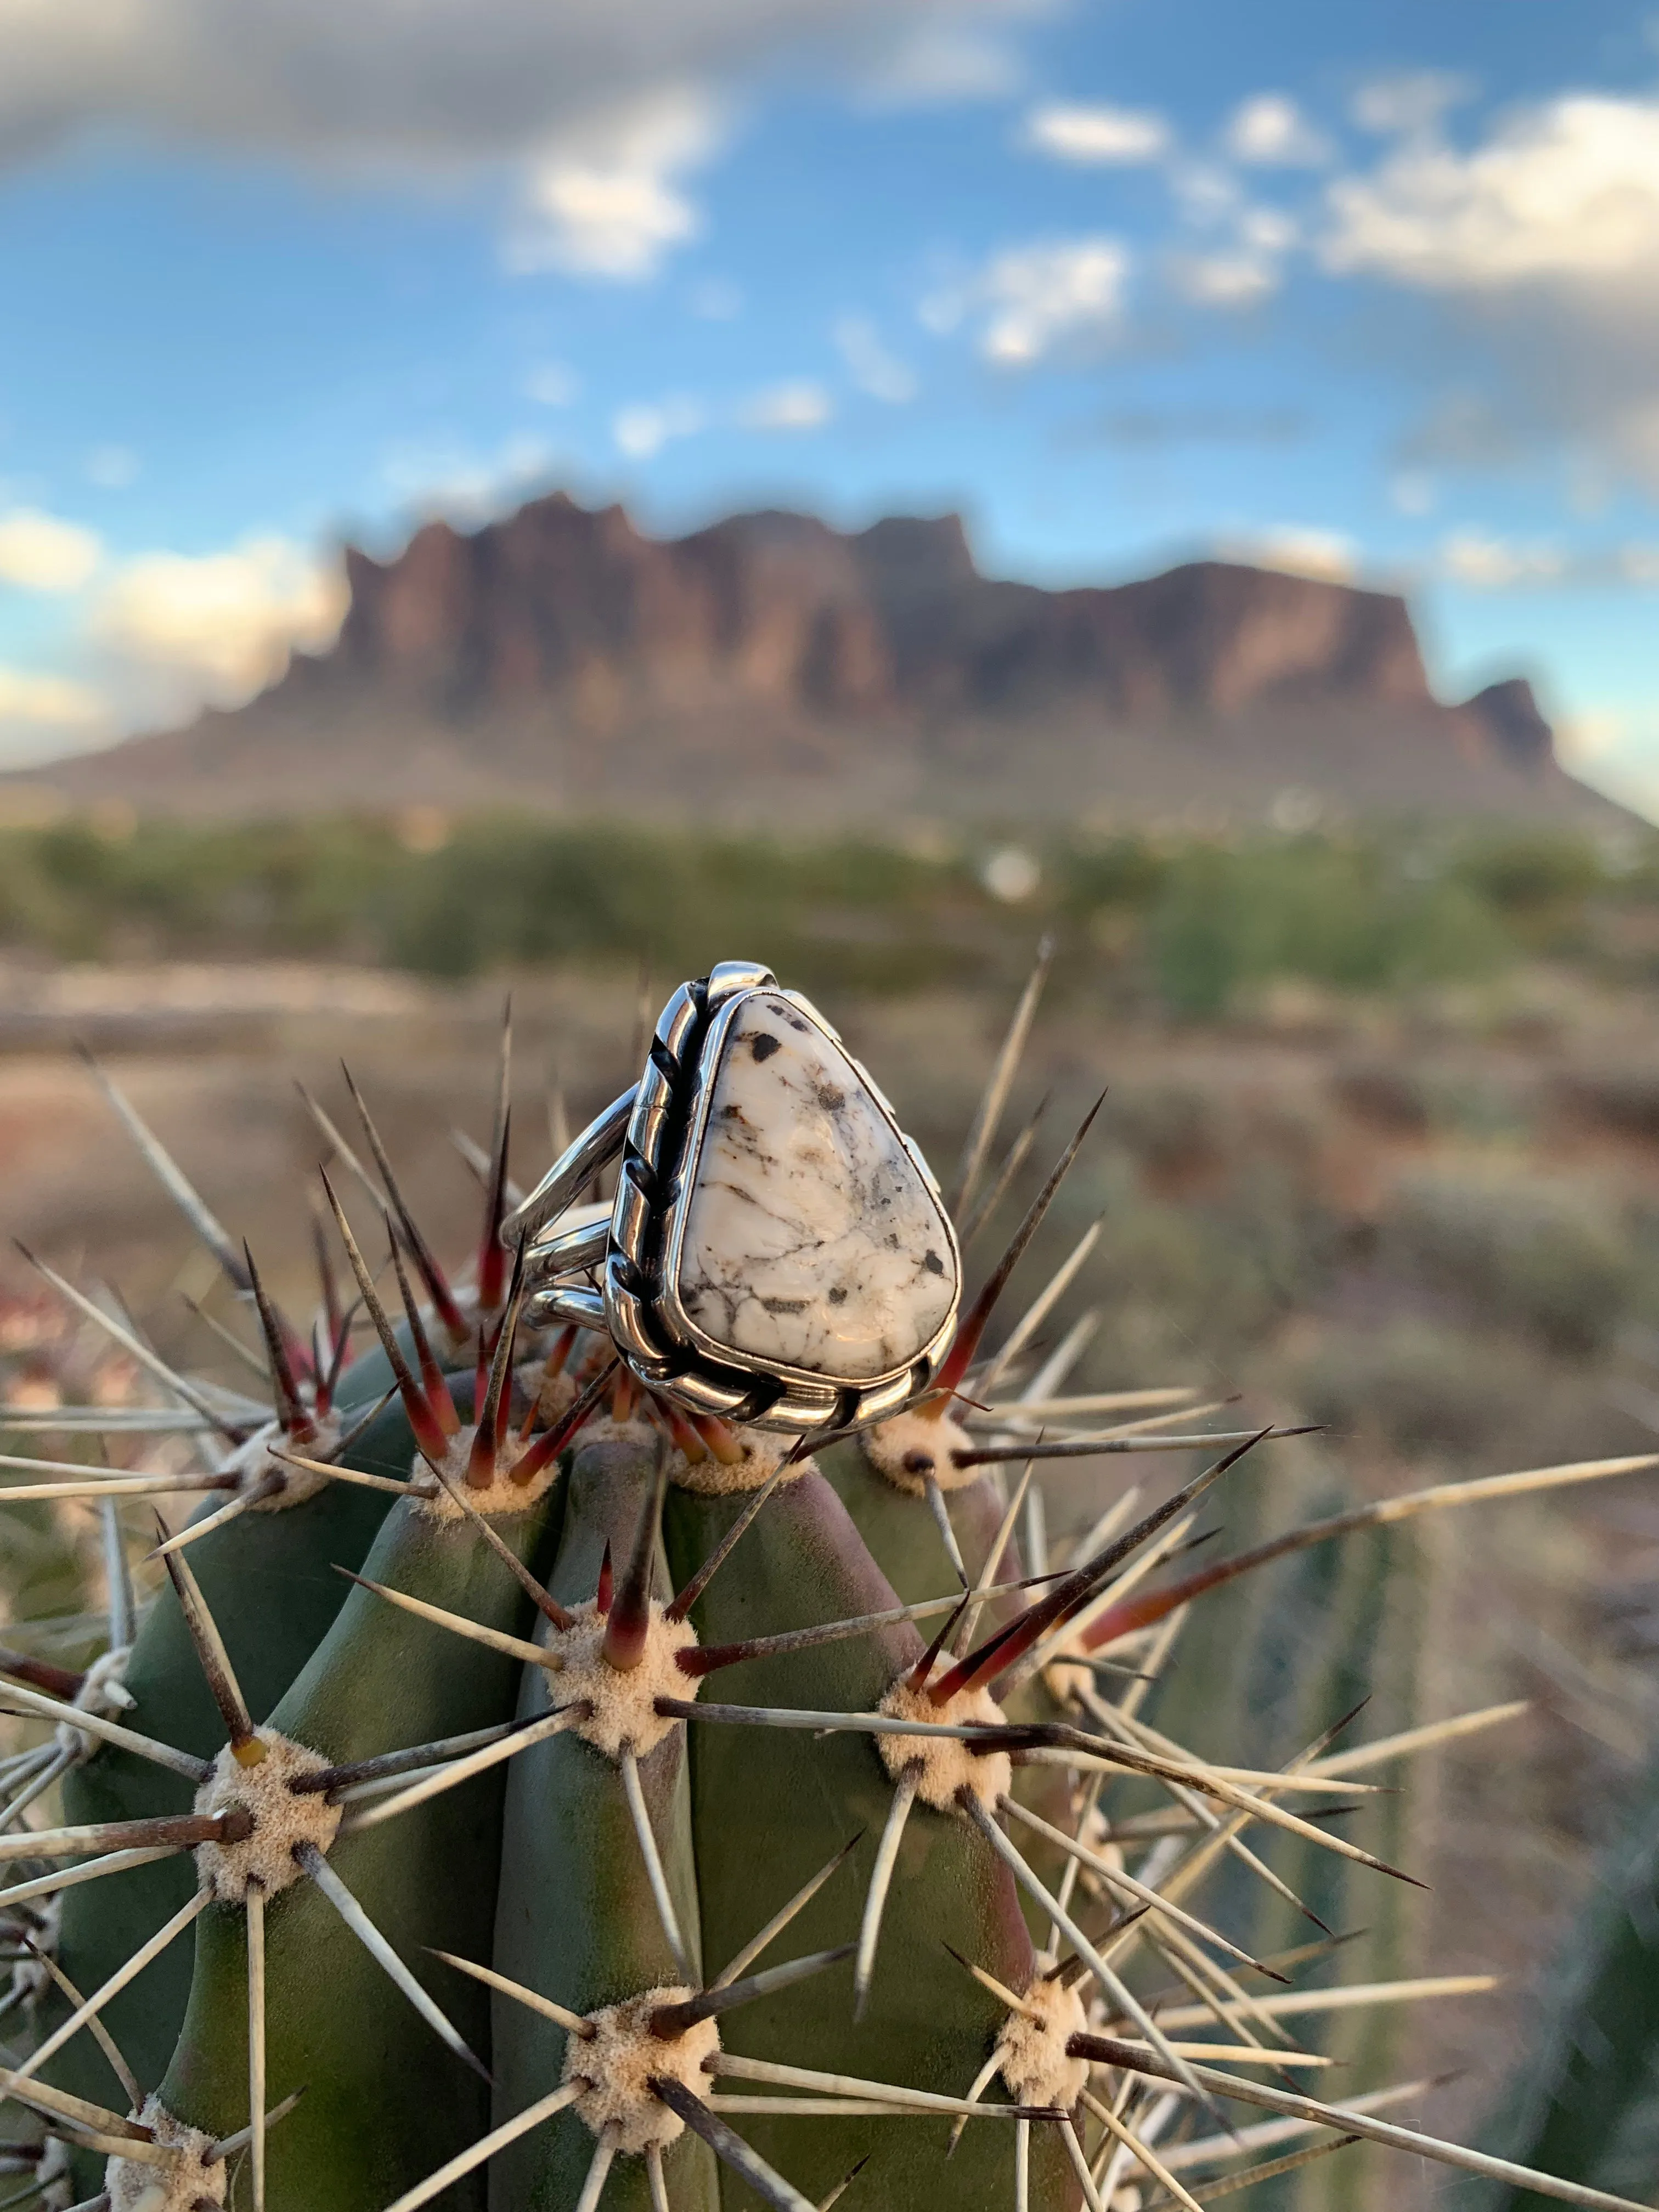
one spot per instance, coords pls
(777, 1252)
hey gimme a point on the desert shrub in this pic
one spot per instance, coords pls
(1540, 882)
(1190, 925)
(504, 893)
(1125, 871)
(1338, 915)
(1177, 1132)
(1550, 1258)
(1186, 1287)
(1424, 1391)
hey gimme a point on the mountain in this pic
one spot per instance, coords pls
(772, 670)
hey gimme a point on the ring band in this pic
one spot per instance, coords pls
(777, 1252)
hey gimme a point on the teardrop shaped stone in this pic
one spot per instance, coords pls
(811, 1240)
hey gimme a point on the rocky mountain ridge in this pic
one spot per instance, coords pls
(770, 667)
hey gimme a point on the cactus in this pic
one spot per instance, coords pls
(1584, 2095)
(656, 1810)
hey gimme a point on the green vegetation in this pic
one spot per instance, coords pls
(1192, 925)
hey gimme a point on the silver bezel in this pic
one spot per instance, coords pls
(660, 1340)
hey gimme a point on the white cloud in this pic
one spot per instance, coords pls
(1224, 280)
(1489, 564)
(606, 202)
(643, 429)
(422, 82)
(554, 384)
(1270, 131)
(1543, 239)
(1566, 194)
(797, 405)
(43, 553)
(1097, 135)
(1032, 299)
(43, 716)
(1496, 564)
(1266, 230)
(1041, 296)
(1242, 266)
(1297, 550)
(646, 425)
(217, 626)
(164, 633)
(871, 366)
(1408, 101)
(462, 484)
(1615, 746)
(48, 702)
(1593, 739)
(440, 87)
(940, 63)
(1207, 193)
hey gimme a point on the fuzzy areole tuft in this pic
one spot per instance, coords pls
(252, 1462)
(621, 2058)
(763, 1453)
(948, 1765)
(103, 1691)
(1031, 2045)
(554, 1392)
(183, 2184)
(911, 1448)
(622, 1714)
(54, 2177)
(282, 1817)
(255, 1464)
(503, 1498)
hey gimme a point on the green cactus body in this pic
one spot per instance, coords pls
(269, 1581)
(1264, 1665)
(795, 1799)
(383, 2108)
(883, 1496)
(904, 1540)
(1584, 2101)
(900, 1533)
(576, 1919)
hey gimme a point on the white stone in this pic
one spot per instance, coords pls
(812, 1239)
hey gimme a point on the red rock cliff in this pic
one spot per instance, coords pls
(782, 608)
(771, 670)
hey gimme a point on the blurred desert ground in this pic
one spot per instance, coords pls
(1425, 1213)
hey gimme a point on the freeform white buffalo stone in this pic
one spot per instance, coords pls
(811, 1240)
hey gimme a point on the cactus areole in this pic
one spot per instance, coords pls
(630, 1749)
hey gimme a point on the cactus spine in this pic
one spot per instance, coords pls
(658, 1813)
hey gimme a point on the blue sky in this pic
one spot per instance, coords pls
(1372, 290)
